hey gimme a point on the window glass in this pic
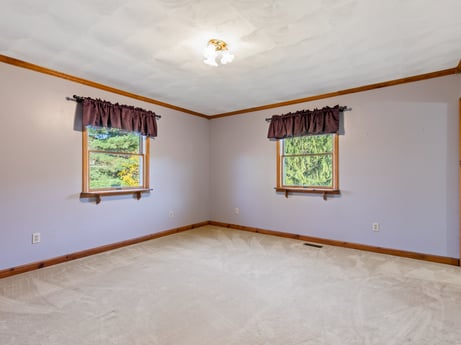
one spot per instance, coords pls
(308, 162)
(115, 159)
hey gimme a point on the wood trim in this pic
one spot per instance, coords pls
(364, 247)
(279, 164)
(286, 189)
(77, 255)
(87, 193)
(419, 77)
(44, 70)
(146, 165)
(84, 253)
(97, 195)
(324, 192)
(85, 167)
(336, 163)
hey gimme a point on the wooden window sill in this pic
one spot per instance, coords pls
(99, 194)
(324, 192)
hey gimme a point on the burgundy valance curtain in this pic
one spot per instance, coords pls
(305, 122)
(101, 113)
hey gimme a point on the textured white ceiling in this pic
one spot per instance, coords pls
(285, 49)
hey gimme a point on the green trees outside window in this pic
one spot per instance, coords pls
(115, 159)
(308, 161)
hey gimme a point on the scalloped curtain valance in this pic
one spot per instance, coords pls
(101, 113)
(305, 122)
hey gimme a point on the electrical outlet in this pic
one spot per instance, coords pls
(236, 210)
(35, 237)
(375, 227)
(171, 214)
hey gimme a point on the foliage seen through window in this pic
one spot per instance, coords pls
(308, 162)
(115, 159)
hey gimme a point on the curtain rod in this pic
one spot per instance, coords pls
(341, 109)
(79, 99)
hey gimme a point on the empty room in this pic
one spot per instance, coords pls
(235, 173)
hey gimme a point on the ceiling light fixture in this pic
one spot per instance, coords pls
(214, 49)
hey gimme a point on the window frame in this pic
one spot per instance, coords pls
(280, 187)
(97, 193)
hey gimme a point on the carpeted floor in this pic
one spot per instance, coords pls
(215, 286)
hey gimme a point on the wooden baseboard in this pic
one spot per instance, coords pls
(388, 251)
(77, 255)
(73, 256)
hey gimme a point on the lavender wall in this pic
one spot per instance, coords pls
(398, 167)
(40, 175)
(406, 179)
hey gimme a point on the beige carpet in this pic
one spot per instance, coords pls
(214, 286)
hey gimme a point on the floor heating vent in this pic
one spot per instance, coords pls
(313, 245)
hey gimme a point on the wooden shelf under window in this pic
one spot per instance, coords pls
(324, 192)
(97, 195)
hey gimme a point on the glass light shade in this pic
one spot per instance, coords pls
(227, 57)
(215, 49)
(210, 61)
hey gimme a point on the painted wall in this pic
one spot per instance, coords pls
(398, 166)
(40, 175)
(404, 178)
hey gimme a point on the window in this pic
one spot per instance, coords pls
(308, 164)
(114, 160)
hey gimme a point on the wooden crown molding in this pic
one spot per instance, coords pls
(419, 77)
(27, 65)
(44, 70)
